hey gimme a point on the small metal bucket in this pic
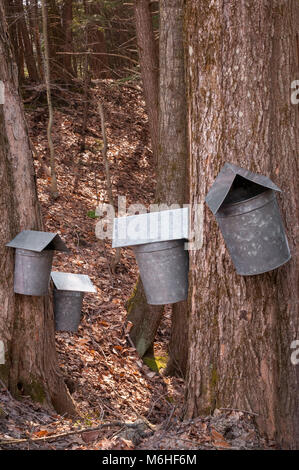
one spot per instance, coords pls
(253, 232)
(163, 269)
(67, 310)
(32, 272)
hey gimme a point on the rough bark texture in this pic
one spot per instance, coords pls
(26, 322)
(146, 318)
(242, 57)
(149, 65)
(173, 149)
(171, 180)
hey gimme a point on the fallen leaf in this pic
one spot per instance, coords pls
(90, 436)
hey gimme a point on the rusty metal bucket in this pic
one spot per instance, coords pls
(32, 271)
(253, 231)
(163, 269)
(67, 310)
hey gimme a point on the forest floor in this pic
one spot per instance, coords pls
(123, 404)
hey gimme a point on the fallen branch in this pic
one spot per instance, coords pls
(240, 411)
(69, 433)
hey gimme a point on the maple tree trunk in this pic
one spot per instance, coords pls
(149, 65)
(146, 318)
(173, 149)
(242, 58)
(26, 322)
(171, 181)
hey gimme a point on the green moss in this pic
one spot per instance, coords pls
(130, 301)
(36, 390)
(156, 363)
(214, 378)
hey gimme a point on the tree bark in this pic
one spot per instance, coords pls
(56, 41)
(241, 62)
(26, 322)
(171, 181)
(146, 318)
(67, 19)
(172, 185)
(14, 29)
(97, 40)
(54, 188)
(149, 65)
(28, 48)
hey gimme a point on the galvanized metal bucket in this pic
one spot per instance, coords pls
(253, 231)
(163, 269)
(32, 271)
(67, 310)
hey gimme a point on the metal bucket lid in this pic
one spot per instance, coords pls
(225, 180)
(34, 240)
(72, 282)
(158, 246)
(67, 293)
(246, 205)
(34, 254)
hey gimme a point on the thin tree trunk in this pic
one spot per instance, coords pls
(108, 178)
(28, 48)
(14, 30)
(26, 322)
(56, 40)
(172, 185)
(54, 190)
(241, 62)
(67, 18)
(171, 181)
(36, 35)
(149, 64)
(146, 318)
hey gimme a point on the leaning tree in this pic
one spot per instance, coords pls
(26, 322)
(242, 58)
(166, 103)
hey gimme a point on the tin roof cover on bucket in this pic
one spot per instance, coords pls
(225, 179)
(34, 240)
(72, 282)
(151, 227)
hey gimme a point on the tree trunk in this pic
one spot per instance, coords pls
(67, 19)
(54, 188)
(173, 150)
(97, 40)
(146, 318)
(35, 19)
(149, 65)
(171, 180)
(241, 62)
(11, 12)
(26, 322)
(28, 48)
(56, 40)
